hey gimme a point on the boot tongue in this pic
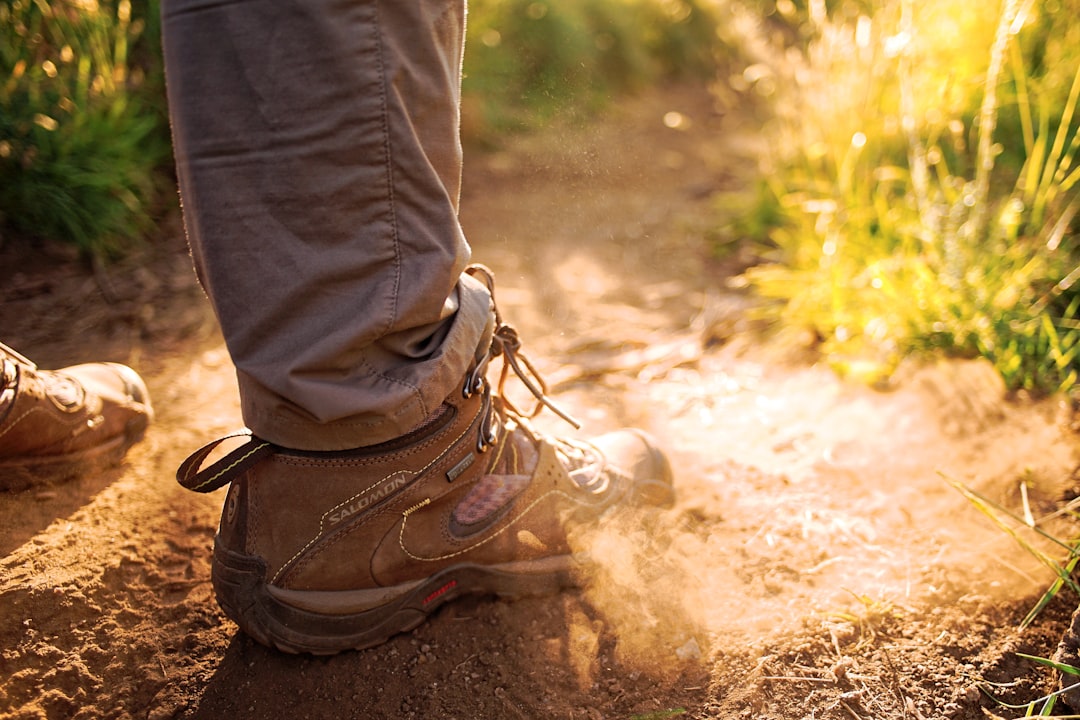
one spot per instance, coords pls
(512, 470)
(509, 475)
(517, 456)
(489, 496)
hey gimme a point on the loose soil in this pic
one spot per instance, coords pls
(817, 564)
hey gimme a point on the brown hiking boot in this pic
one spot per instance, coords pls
(327, 551)
(57, 424)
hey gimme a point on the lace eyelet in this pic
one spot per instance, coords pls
(486, 438)
(474, 383)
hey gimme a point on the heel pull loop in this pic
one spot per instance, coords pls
(221, 472)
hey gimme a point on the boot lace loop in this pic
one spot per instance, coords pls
(506, 343)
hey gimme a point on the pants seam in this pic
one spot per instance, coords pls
(388, 147)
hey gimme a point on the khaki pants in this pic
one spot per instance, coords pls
(319, 162)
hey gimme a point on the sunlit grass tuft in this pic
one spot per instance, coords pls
(907, 222)
(873, 615)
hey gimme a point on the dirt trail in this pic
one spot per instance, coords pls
(816, 565)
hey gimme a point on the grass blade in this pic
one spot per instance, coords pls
(1060, 667)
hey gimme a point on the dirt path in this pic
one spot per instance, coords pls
(816, 565)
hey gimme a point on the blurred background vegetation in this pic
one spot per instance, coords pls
(528, 60)
(917, 185)
(84, 137)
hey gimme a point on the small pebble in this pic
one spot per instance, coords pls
(689, 651)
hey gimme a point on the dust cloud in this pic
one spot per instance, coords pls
(805, 501)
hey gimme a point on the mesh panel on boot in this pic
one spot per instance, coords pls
(508, 476)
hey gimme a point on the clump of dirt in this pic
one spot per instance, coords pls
(818, 562)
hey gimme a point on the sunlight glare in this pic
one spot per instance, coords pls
(862, 32)
(675, 120)
(897, 44)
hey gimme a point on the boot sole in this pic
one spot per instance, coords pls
(323, 623)
(22, 473)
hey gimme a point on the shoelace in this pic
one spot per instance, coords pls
(506, 343)
(583, 461)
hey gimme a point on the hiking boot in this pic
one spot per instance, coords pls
(326, 551)
(57, 424)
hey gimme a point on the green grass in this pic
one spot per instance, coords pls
(1020, 528)
(1042, 706)
(921, 193)
(1026, 531)
(81, 146)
